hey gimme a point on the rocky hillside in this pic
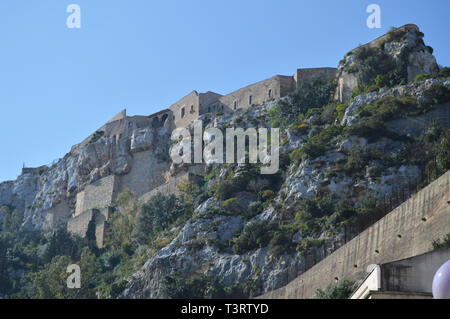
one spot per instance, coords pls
(351, 150)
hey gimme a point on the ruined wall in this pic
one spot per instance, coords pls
(405, 232)
(97, 195)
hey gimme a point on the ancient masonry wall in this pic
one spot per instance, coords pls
(172, 187)
(99, 194)
(310, 74)
(258, 93)
(79, 224)
(405, 232)
(147, 172)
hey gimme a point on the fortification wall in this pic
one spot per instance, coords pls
(171, 187)
(99, 194)
(416, 125)
(310, 74)
(405, 232)
(258, 93)
(78, 225)
(60, 212)
(147, 172)
(186, 110)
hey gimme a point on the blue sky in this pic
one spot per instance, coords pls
(58, 85)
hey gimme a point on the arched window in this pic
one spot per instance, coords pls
(183, 112)
(270, 94)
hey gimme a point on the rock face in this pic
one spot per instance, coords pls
(48, 194)
(415, 90)
(419, 59)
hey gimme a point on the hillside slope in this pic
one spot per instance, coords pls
(345, 162)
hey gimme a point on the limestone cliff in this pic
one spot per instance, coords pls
(401, 52)
(342, 167)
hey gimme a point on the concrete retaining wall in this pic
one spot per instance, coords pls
(405, 232)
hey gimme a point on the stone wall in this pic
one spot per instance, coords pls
(310, 74)
(258, 93)
(416, 125)
(405, 232)
(99, 194)
(171, 187)
(147, 172)
(186, 110)
(79, 224)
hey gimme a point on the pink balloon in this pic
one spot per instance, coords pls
(441, 282)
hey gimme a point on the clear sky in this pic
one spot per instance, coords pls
(58, 85)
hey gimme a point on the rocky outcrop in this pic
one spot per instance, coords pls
(415, 90)
(406, 40)
(48, 194)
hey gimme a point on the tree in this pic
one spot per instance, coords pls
(123, 221)
(341, 290)
(5, 281)
(444, 151)
(51, 282)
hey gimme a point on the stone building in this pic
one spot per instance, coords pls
(137, 137)
(190, 107)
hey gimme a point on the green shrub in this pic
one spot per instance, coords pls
(128, 249)
(232, 207)
(300, 128)
(340, 111)
(444, 73)
(175, 286)
(267, 195)
(444, 243)
(256, 235)
(395, 35)
(158, 214)
(306, 244)
(281, 243)
(437, 93)
(370, 128)
(309, 95)
(254, 209)
(343, 289)
(229, 187)
(421, 77)
(118, 288)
